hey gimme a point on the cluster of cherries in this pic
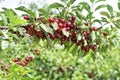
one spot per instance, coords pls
(70, 27)
(25, 62)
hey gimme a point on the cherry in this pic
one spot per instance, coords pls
(39, 18)
(105, 33)
(19, 63)
(32, 27)
(69, 24)
(60, 25)
(30, 58)
(51, 19)
(60, 69)
(67, 28)
(16, 60)
(95, 28)
(86, 23)
(73, 18)
(63, 21)
(26, 17)
(75, 32)
(94, 47)
(27, 59)
(57, 21)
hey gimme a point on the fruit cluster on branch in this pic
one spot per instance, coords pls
(66, 31)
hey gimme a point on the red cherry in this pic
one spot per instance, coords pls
(27, 59)
(51, 19)
(94, 47)
(32, 27)
(105, 33)
(73, 17)
(86, 23)
(63, 21)
(26, 62)
(30, 58)
(60, 25)
(95, 28)
(26, 17)
(39, 18)
(75, 32)
(69, 24)
(16, 60)
(19, 63)
(57, 21)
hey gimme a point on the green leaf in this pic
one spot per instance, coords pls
(80, 16)
(85, 5)
(43, 12)
(4, 19)
(93, 35)
(28, 11)
(104, 19)
(119, 5)
(104, 13)
(92, 1)
(66, 33)
(99, 7)
(55, 5)
(55, 26)
(110, 9)
(97, 1)
(70, 2)
(46, 28)
(98, 21)
(79, 37)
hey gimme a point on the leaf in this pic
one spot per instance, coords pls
(79, 37)
(46, 28)
(97, 1)
(55, 5)
(55, 26)
(90, 15)
(93, 35)
(98, 21)
(28, 11)
(104, 13)
(104, 19)
(80, 16)
(110, 9)
(85, 5)
(66, 33)
(4, 19)
(119, 5)
(43, 12)
(99, 7)
(92, 1)
(70, 2)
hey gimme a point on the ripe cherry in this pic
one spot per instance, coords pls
(26, 17)
(69, 24)
(75, 32)
(63, 21)
(73, 17)
(16, 60)
(60, 25)
(105, 33)
(86, 23)
(32, 27)
(51, 19)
